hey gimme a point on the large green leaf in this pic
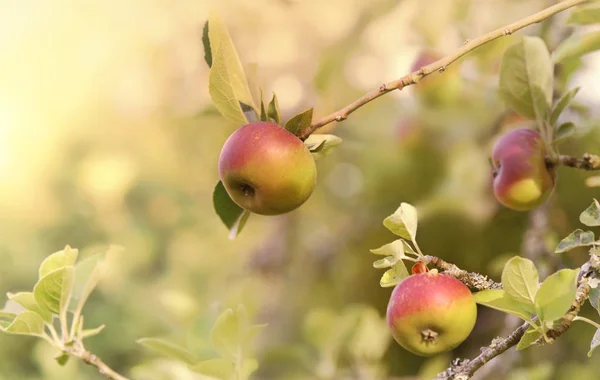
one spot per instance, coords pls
(227, 83)
(233, 216)
(556, 294)
(577, 46)
(403, 222)
(526, 78)
(26, 323)
(577, 238)
(499, 300)
(300, 121)
(591, 216)
(169, 349)
(53, 291)
(520, 281)
(58, 260)
(27, 300)
(530, 337)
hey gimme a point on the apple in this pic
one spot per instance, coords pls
(266, 169)
(429, 313)
(522, 179)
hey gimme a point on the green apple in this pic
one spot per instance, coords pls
(429, 313)
(266, 169)
(522, 179)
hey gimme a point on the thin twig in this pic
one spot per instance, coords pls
(91, 359)
(440, 65)
(588, 162)
(472, 280)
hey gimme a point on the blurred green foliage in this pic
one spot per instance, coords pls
(108, 136)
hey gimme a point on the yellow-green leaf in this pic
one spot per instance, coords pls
(403, 222)
(169, 349)
(58, 260)
(53, 291)
(530, 337)
(26, 323)
(499, 300)
(300, 121)
(27, 300)
(577, 238)
(393, 276)
(556, 294)
(591, 216)
(520, 281)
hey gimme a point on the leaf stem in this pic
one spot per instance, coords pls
(584, 319)
(439, 66)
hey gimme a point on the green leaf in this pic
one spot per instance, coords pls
(227, 83)
(403, 222)
(499, 300)
(58, 260)
(562, 104)
(526, 78)
(247, 368)
(595, 343)
(577, 46)
(263, 110)
(233, 216)
(395, 249)
(594, 298)
(273, 110)
(577, 238)
(26, 323)
(584, 15)
(591, 216)
(88, 333)
(300, 121)
(169, 349)
(556, 294)
(206, 44)
(530, 337)
(53, 291)
(217, 368)
(7, 316)
(385, 262)
(88, 273)
(322, 144)
(27, 300)
(62, 358)
(520, 281)
(226, 335)
(563, 131)
(393, 276)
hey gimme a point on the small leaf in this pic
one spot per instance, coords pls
(403, 222)
(300, 121)
(62, 358)
(499, 300)
(58, 260)
(226, 335)
(591, 216)
(87, 333)
(206, 44)
(233, 216)
(169, 349)
(576, 46)
(562, 103)
(248, 367)
(393, 276)
(564, 130)
(321, 144)
(385, 263)
(27, 300)
(26, 323)
(577, 238)
(526, 78)
(595, 343)
(556, 294)
(530, 337)
(594, 298)
(395, 249)
(520, 281)
(53, 291)
(585, 15)
(273, 110)
(216, 368)
(263, 110)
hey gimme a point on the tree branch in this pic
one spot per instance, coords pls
(472, 280)
(440, 65)
(588, 162)
(89, 358)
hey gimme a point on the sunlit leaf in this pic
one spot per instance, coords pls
(227, 333)
(520, 281)
(215, 368)
(556, 294)
(53, 291)
(273, 110)
(395, 249)
(58, 260)
(530, 337)
(27, 300)
(233, 216)
(526, 78)
(577, 238)
(26, 323)
(300, 121)
(591, 216)
(88, 273)
(403, 222)
(562, 104)
(576, 46)
(385, 262)
(169, 349)
(393, 276)
(499, 300)
(321, 145)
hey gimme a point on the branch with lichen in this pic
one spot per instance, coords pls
(587, 162)
(439, 66)
(462, 369)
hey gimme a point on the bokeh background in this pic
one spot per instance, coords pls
(108, 136)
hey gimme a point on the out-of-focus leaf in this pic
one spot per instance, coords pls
(26, 323)
(27, 300)
(233, 216)
(321, 144)
(88, 273)
(577, 238)
(371, 337)
(591, 216)
(215, 368)
(499, 300)
(576, 46)
(300, 121)
(62, 358)
(520, 281)
(529, 338)
(169, 349)
(563, 131)
(88, 333)
(403, 222)
(393, 276)
(585, 15)
(526, 78)
(53, 291)
(562, 104)
(595, 343)
(556, 294)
